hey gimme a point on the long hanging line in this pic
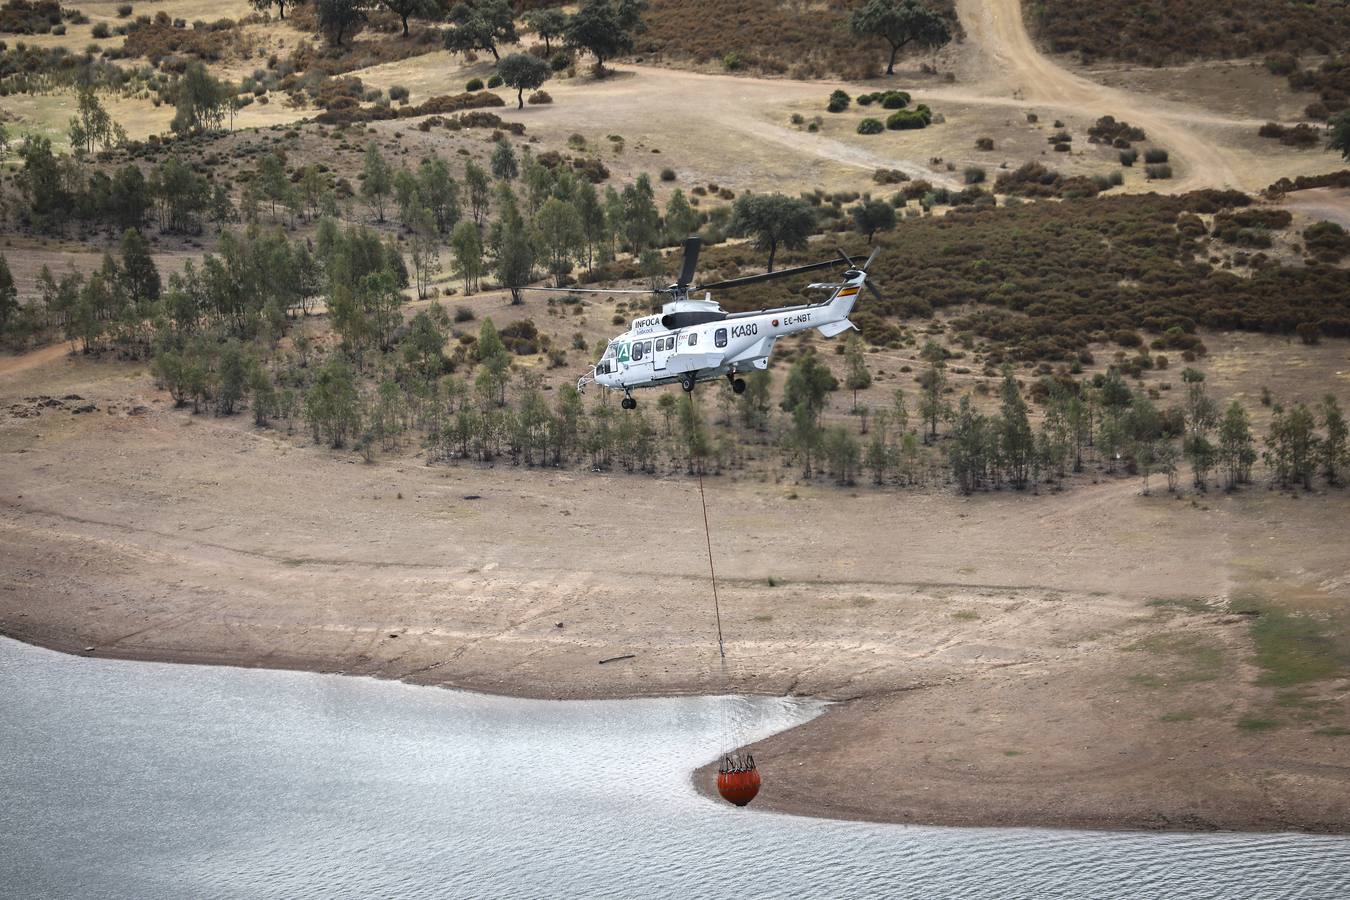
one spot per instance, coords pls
(707, 534)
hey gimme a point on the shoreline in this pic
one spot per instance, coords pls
(703, 778)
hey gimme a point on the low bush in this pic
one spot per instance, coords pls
(974, 175)
(494, 82)
(910, 119)
(667, 174)
(984, 143)
(1158, 172)
(871, 126)
(123, 10)
(539, 97)
(398, 93)
(474, 84)
(1155, 155)
(1107, 130)
(101, 30)
(1128, 157)
(889, 176)
(839, 101)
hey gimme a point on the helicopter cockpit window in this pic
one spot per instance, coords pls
(720, 337)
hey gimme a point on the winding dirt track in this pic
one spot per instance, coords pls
(998, 28)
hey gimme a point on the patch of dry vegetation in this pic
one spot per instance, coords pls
(800, 39)
(1156, 32)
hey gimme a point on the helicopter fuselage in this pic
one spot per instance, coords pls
(650, 354)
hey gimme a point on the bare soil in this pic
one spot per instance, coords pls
(995, 651)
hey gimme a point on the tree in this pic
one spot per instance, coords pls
(594, 226)
(264, 5)
(641, 221)
(932, 405)
(856, 377)
(9, 295)
(559, 230)
(273, 185)
(140, 277)
(340, 17)
(467, 246)
(808, 381)
(128, 197)
(1292, 445)
(496, 360)
(405, 9)
(681, 218)
(481, 27)
(524, 72)
(1333, 446)
(900, 23)
(439, 192)
(966, 451)
(425, 249)
(772, 221)
(549, 24)
(514, 252)
(232, 378)
(504, 165)
(872, 216)
(479, 188)
(332, 404)
(605, 29)
(1339, 138)
(92, 126)
(376, 181)
(1236, 452)
(1015, 439)
(200, 101)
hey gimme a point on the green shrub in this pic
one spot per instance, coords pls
(495, 81)
(732, 62)
(463, 314)
(560, 61)
(1155, 155)
(474, 84)
(667, 174)
(910, 119)
(101, 30)
(974, 175)
(1128, 157)
(539, 97)
(894, 100)
(398, 93)
(984, 143)
(867, 99)
(839, 102)
(123, 10)
(1157, 172)
(871, 126)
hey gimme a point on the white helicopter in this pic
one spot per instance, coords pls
(695, 340)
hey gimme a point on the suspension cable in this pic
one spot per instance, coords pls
(707, 535)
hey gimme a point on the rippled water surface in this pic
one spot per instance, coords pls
(142, 780)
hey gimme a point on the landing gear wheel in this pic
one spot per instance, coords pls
(738, 385)
(628, 403)
(687, 382)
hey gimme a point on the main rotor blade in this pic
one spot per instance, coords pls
(692, 245)
(590, 290)
(767, 276)
(876, 292)
(872, 256)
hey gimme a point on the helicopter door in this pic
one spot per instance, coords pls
(664, 349)
(642, 360)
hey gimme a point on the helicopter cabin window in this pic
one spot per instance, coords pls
(637, 350)
(720, 337)
(693, 339)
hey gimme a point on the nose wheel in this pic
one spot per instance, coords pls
(687, 382)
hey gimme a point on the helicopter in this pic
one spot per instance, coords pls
(694, 340)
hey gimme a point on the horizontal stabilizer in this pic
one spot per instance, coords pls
(830, 329)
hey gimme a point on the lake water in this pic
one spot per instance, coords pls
(144, 780)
